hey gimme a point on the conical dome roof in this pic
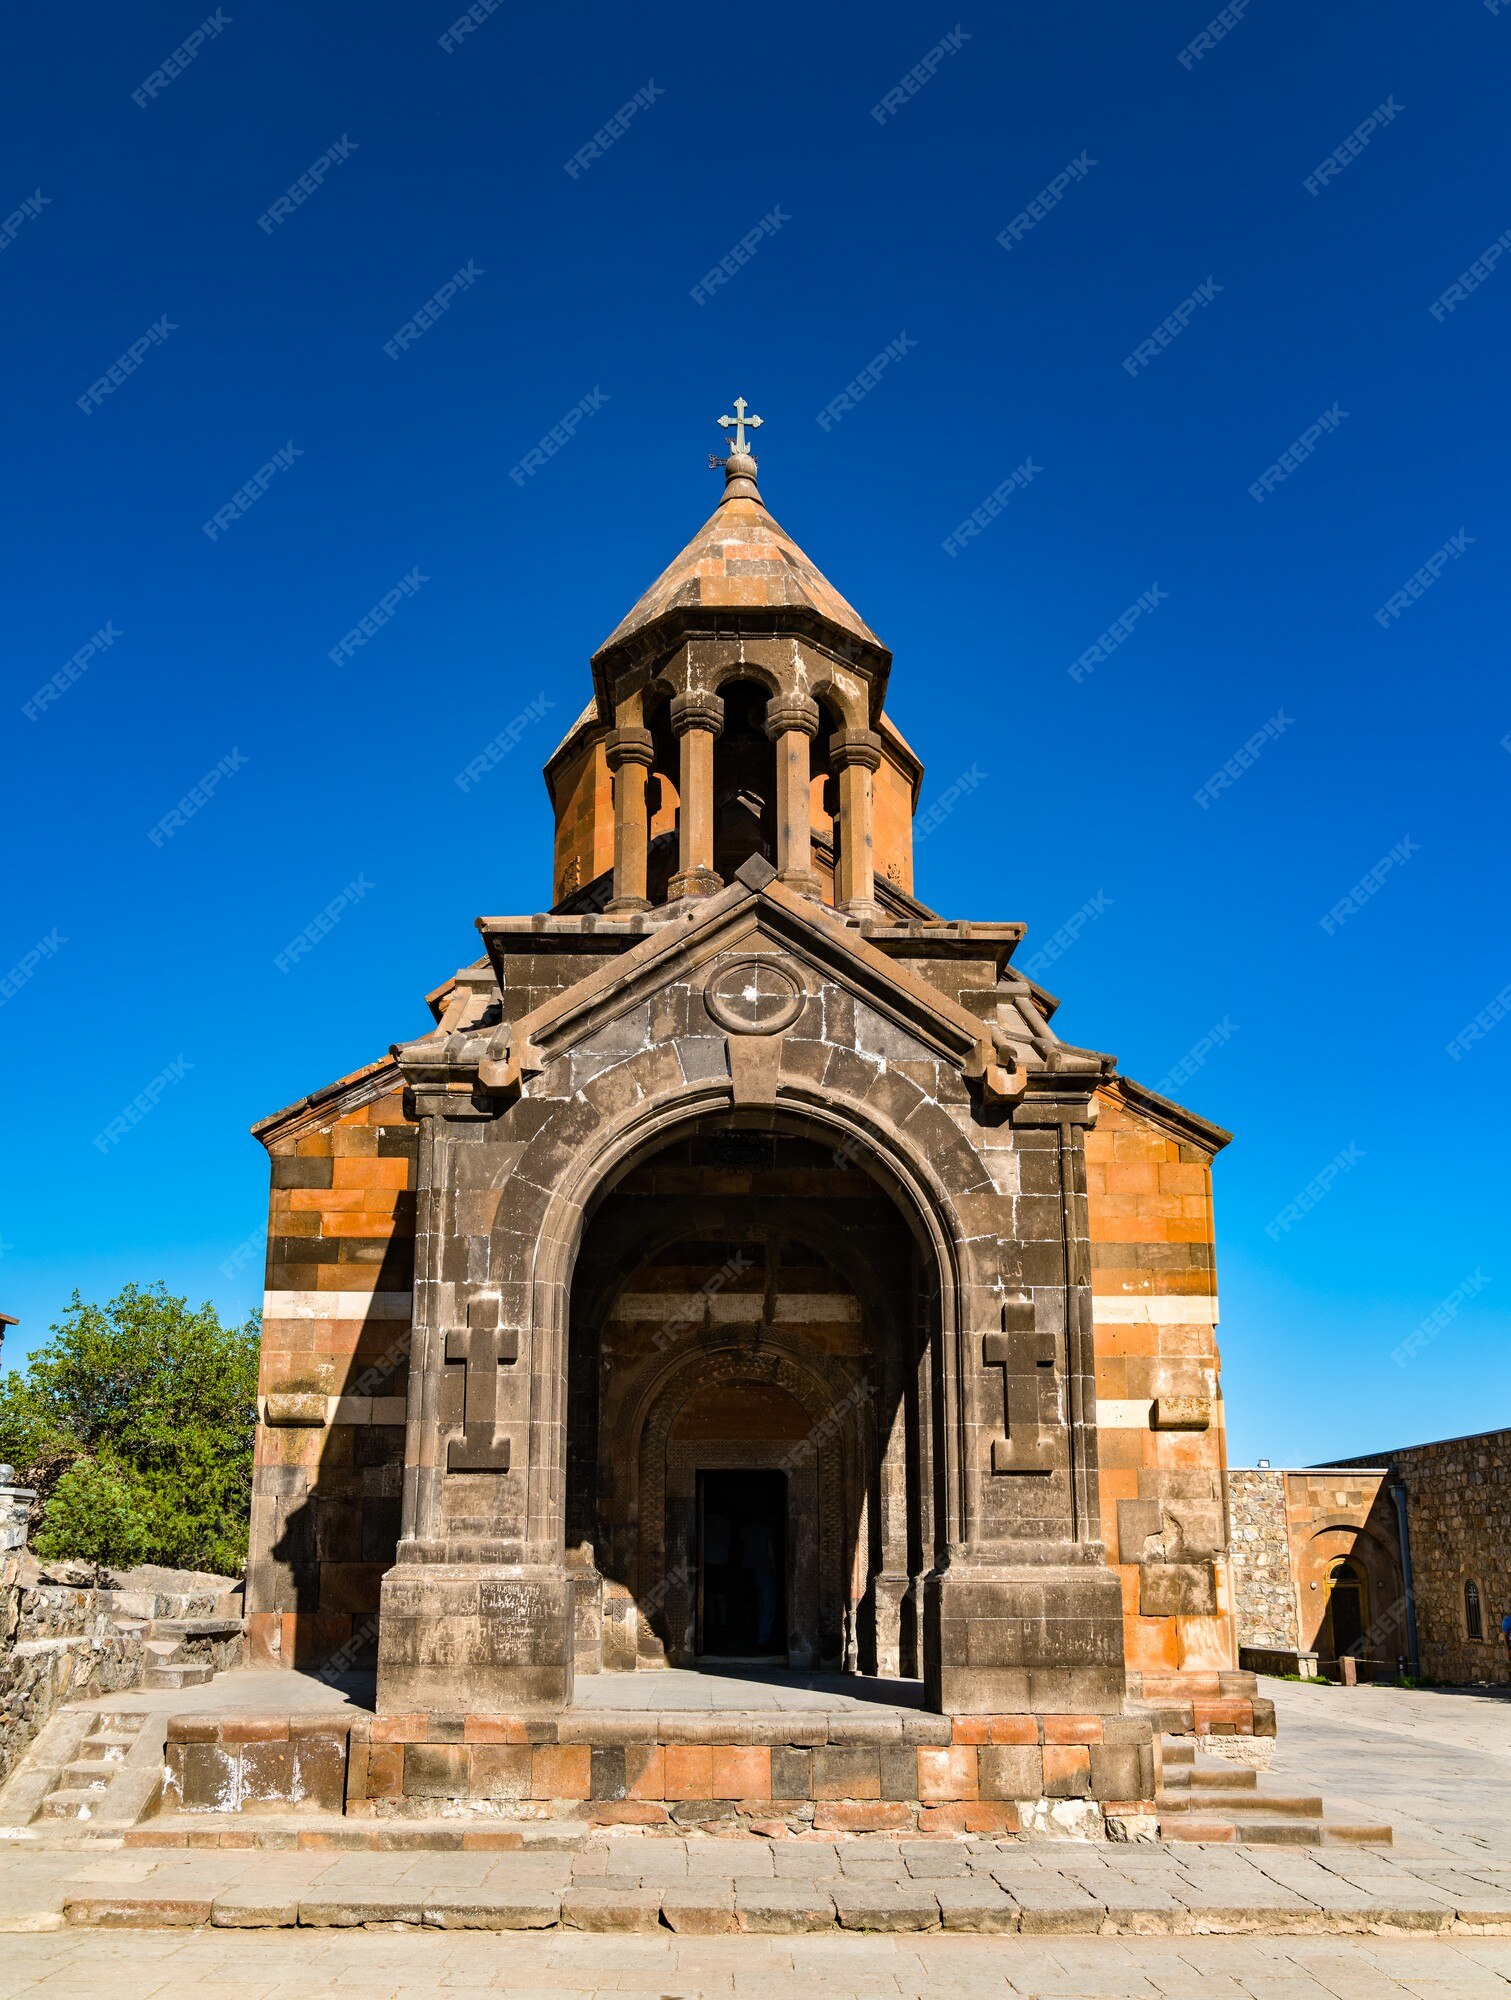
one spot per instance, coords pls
(740, 560)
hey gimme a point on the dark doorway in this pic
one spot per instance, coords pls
(742, 1565)
(1345, 1607)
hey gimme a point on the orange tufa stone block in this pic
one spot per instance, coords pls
(1021, 1730)
(689, 1771)
(370, 1173)
(968, 1818)
(561, 1771)
(494, 1729)
(1072, 1729)
(947, 1774)
(741, 1773)
(971, 1729)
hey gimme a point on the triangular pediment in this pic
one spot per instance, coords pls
(760, 916)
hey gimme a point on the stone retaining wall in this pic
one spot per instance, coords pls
(62, 1642)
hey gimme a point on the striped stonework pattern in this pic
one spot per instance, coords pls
(335, 1367)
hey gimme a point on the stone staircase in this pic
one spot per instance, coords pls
(177, 1650)
(96, 1770)
(1206, 1798)
(82, 1783)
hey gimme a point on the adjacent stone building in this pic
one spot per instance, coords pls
(1317, 1570)
(743, 1267)
(1401, 1559)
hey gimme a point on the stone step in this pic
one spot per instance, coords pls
(86, 1774)
(187, 1675)
(106, 1747)
(283, 1830)
(1242, 1805)
(196, 1628)
(70, 1804)
(122, 1725)
(1179, 1753)
(1270, 1805)
(1280, 1832)
(1337, 1833)
(1195, 1826)
(1236, 1779)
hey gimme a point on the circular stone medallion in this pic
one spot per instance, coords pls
(753, 996)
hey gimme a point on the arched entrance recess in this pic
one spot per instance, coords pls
(747, 1297)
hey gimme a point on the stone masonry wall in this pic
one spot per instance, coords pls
(1159, 1408)
(1264, 1590)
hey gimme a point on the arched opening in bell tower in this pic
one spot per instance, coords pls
(744, 807)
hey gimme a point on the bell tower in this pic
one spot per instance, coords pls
(738, 710)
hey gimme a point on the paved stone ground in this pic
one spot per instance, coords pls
(1435, 1762)
(285, 1965)
(711, 1886)
(745, 1689)
(249, 1690)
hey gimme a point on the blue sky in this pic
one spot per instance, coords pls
(251, 354)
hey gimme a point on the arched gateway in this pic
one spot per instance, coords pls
(762, 1277)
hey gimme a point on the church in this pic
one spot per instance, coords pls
(742, 1275)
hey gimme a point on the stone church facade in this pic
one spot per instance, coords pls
(741, 1194)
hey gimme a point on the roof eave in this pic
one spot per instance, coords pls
(660, 635)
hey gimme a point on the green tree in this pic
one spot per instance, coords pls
(94, 1516)
(163, 1400)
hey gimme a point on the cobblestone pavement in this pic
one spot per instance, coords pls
(1436, 1762)
(289, 1965)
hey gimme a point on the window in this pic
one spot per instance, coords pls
(1474, 1623)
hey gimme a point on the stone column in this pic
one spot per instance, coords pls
(698, 719)
(629, 755)
(855, 754)
(792, 723)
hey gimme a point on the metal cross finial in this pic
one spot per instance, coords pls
(740, 419)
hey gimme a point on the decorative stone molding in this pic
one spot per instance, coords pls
(696, 711)
(786, 713)
(756, 995)
(629, 746)
(848, 747)
(295, 1410)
